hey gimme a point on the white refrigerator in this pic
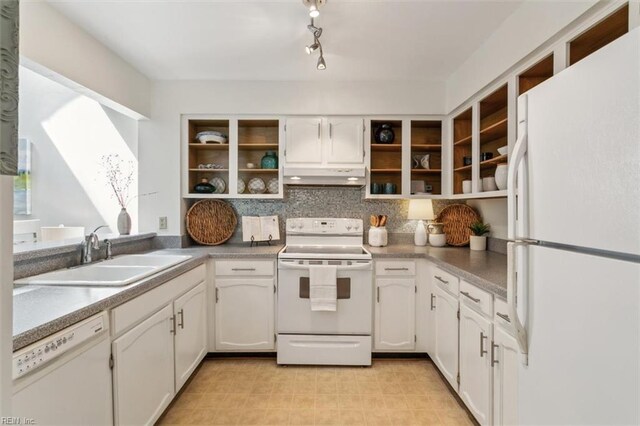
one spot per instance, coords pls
(574, 255)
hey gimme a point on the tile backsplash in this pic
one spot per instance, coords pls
(330, 202)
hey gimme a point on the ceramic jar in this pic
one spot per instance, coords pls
(378, 236)
(269, 161)
(501, 176)
(384, 134)
(478, 243)
(204, 187)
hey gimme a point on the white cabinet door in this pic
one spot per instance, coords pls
(303, 140)
(190, 310)
(475, 364)
(445, 352)
(245, 314)
(505, 378)
(143, 379)
(395, 319)
(346, 140)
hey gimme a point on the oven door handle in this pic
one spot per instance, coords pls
(356, 267)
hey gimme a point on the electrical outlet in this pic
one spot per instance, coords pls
(162, 222)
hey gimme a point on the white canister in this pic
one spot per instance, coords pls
(478, 243)
(489, 184)
(438, 240)
(466, 187)
(378, 236)
(501, 176)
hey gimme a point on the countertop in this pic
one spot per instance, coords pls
(39, 311)
(485, 269)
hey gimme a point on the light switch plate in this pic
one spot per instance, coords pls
(162, 222)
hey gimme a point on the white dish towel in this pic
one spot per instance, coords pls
(323, 288)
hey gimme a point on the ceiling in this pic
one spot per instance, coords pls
(371, 40)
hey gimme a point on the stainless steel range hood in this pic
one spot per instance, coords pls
(333, 176)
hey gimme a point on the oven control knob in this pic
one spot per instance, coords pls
(300, 225)
(356, 226)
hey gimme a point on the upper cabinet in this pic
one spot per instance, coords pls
(324, 141)
(535, 75)
(599, 35)
(462, 127)
(493, 141)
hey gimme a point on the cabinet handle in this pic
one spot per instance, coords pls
(433, 306)
(482, 350)
(330, 130)
(396, 269)
(470, 297)
(318, 130)
(441, 280)
(243, 269)
(172, 330)
(217, 296)
(494, 361)
(378, 294)
(181, 318)
(503, 316)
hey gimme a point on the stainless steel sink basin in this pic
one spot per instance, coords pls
(116, 272)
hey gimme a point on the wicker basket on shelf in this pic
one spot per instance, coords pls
(456, 219)
(211, 222)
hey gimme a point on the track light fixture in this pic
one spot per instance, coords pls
(316, 45)
(321, 64)
(312, 48)
(314, 7)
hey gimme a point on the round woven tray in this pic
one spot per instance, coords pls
(211, 222)
(457, 218)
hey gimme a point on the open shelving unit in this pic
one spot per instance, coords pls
(207, 153)
(462, 138)
(599, 35)
(386, 159)
(535, 75)
(426, 139)
(493, 130)
(255, 138)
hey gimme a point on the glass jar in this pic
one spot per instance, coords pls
(269, 161)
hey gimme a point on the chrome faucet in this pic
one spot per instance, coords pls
(90, 243)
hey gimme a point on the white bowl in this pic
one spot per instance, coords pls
(503, 150)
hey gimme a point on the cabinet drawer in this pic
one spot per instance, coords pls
(446, 281)
(395, 268)
(501, 314)
(243, 268)
(476, 298)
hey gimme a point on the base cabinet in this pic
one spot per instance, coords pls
(505, 378)
(395, 319)
(445, 341)
(143, 380)
(475, 364)
(245, 314)
(190, 311)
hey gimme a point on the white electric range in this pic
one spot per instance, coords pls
(342, 337)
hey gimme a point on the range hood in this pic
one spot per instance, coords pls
(333, 176)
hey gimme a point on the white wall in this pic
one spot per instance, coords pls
(530, 26)
(51, 44)
(69, 133)
(159, 147)
(493, 212)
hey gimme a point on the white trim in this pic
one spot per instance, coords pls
(6, 292)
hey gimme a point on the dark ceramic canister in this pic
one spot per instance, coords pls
(384, 134)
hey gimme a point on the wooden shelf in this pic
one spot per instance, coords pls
(463, 141)
(463, 169)
(259, 146)
(536, 74)
(392, 147)
(601, 34)
(211, 146)
(386, 170)
(209, 170)
(494, 131)
(258, 170)
(425, 147)
(488, 194)
(426, 171)
(494, 161)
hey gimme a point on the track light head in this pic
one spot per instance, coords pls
(321, 64)
(314, 7)
(312, 48)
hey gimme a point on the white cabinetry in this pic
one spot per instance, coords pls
(445, 341)
(143, 382)
(191, 332)
(395, 319)
(244, 305)
(346, 140)
(505, 359)
(303, 140)
(475, 363)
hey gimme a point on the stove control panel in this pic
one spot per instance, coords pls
(325, 226)
(32, 357)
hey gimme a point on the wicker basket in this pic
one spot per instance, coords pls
(211, 222)
(457, 218)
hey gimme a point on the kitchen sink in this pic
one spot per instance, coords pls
(116, 272)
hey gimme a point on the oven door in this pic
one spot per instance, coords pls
(355, 291)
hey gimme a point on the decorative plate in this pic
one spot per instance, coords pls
(257, 186)
(211, 222)
(241, 186)
(211, 136)
(273, 186)
(456, 219)
(219, 184)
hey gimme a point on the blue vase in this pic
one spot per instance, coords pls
(269, 161)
